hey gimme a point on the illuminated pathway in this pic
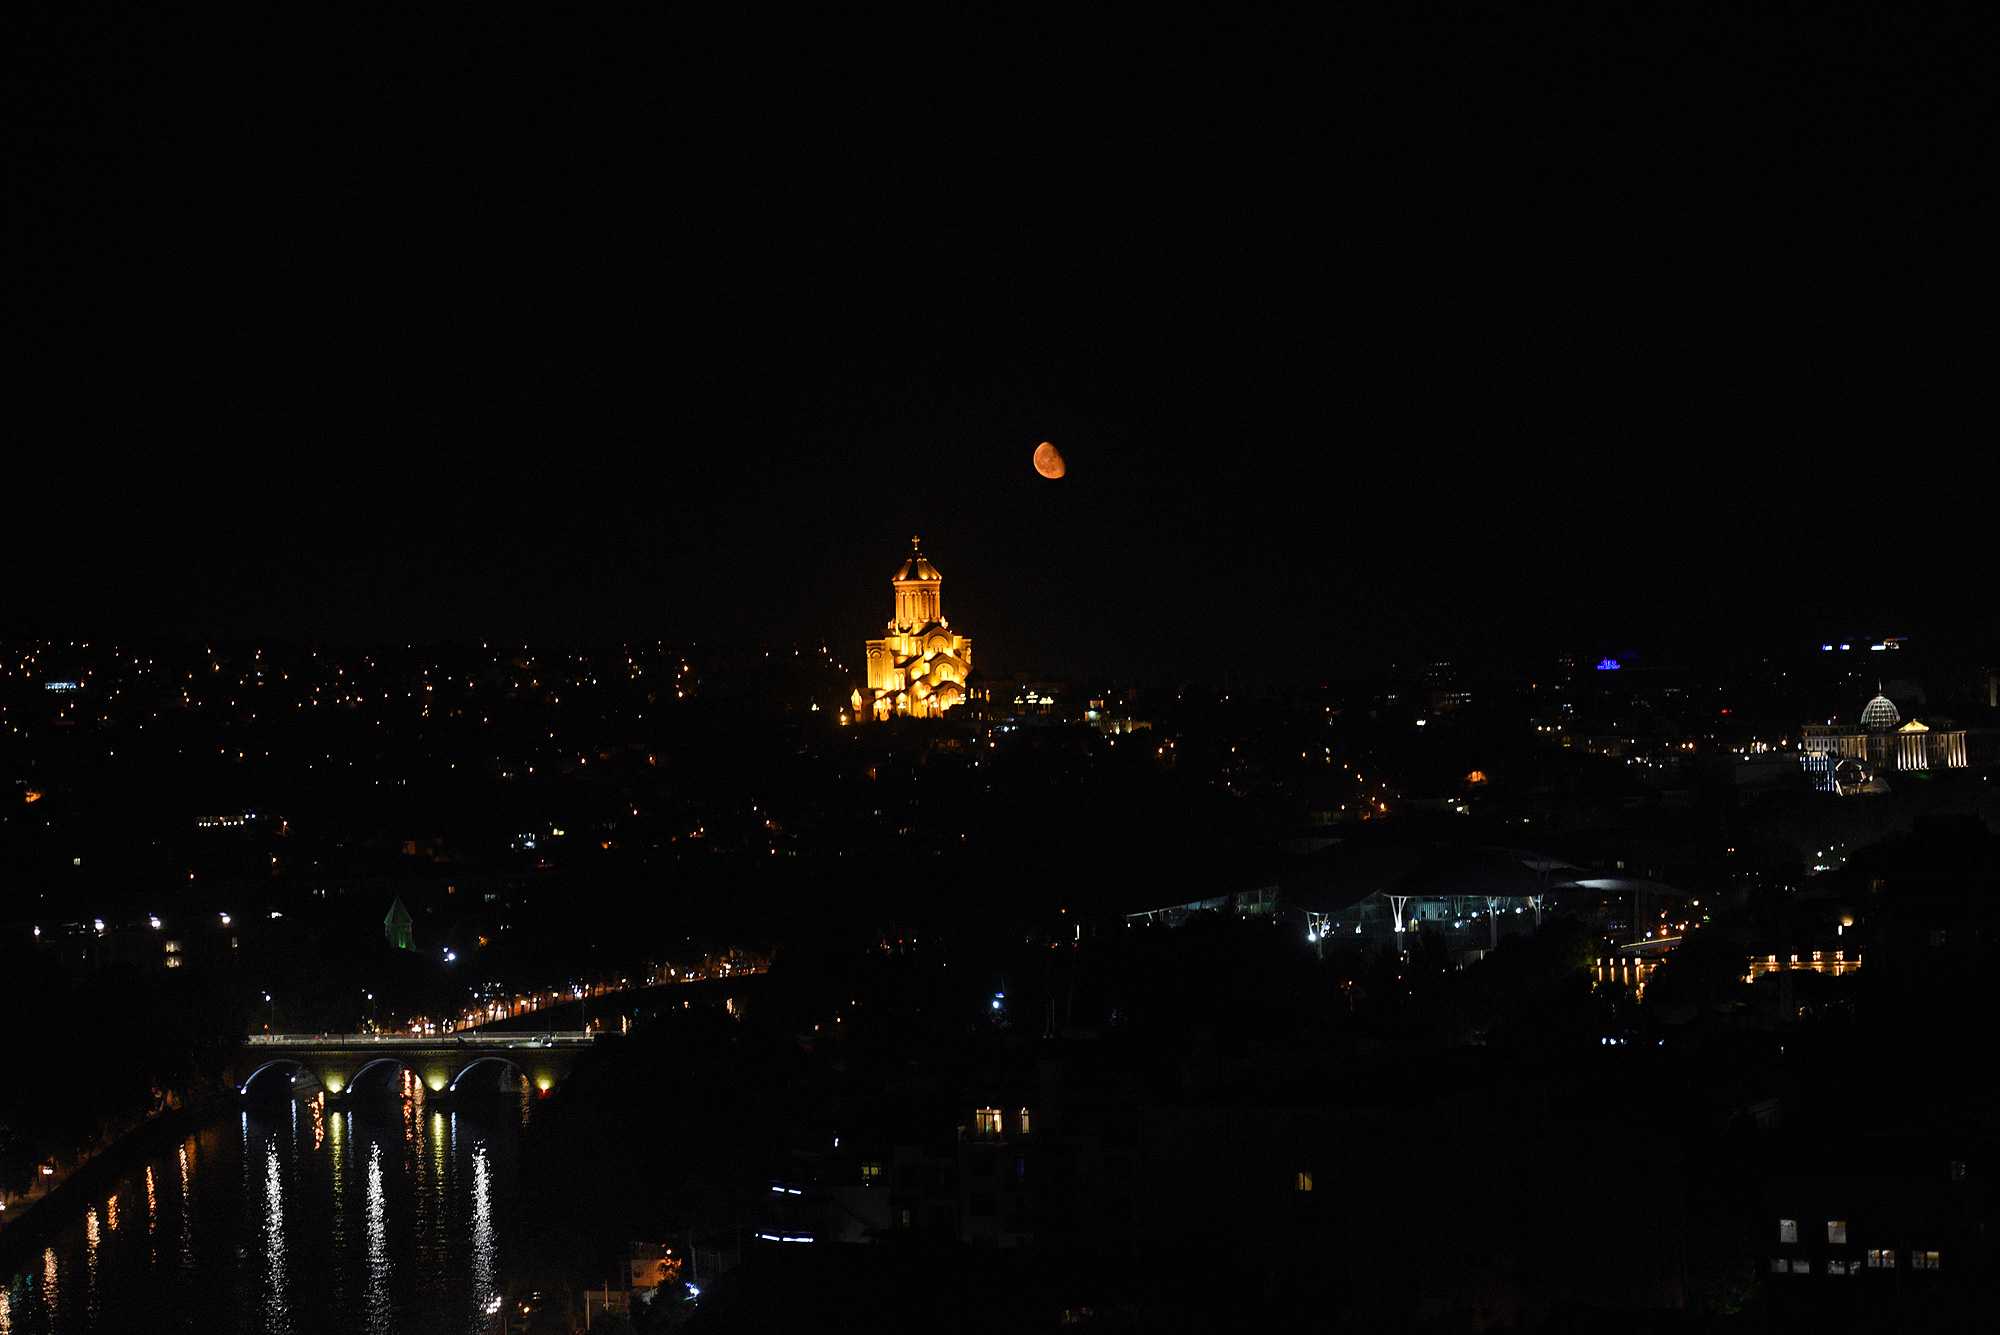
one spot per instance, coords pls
(568, 998)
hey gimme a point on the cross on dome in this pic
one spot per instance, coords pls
(918, 567)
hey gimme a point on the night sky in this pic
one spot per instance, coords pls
(1363, 342)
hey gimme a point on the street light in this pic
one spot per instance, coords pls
(272, 1027)
(371, 1008)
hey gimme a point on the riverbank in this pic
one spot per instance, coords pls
(30, 1226)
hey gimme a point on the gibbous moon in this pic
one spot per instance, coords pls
(1048, 460)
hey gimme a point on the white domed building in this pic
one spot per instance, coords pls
(1839, 756)
(1880, 715)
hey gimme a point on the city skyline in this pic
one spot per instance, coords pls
(1454, 787)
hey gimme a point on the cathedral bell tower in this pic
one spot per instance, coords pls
(918, 602)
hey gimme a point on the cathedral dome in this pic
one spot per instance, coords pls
(918, 566)
(1880, 713)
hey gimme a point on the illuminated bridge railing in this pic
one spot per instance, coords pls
(337, 1061)
(1819, 961)
(1633, 971)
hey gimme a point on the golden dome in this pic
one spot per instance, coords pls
(918, 567)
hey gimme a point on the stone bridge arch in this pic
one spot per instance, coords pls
(291, 1067)
(337, 1061)
(496, 1063)
(390, 1065)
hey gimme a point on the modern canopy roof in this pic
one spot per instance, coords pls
(1343, 875)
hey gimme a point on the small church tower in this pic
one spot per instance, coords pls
(396, 927)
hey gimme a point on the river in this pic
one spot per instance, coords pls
(291, 1220)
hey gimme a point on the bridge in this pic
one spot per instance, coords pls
(347, 1064)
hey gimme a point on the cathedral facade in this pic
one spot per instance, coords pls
(919, 667)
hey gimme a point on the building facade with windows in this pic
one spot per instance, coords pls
(1876, 1233)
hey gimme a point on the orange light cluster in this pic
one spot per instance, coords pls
(1818, 963)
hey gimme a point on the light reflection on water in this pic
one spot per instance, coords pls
(378, 1244)
(275, 1306)
(90, 1234)
(484, 1252)
(185, 1233)
(297, 1221)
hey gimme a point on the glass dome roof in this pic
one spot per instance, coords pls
(1880, 713)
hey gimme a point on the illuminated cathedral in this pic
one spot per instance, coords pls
(919, 668)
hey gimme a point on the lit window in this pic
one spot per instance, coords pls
(1779, 1266)
(1788, 1230)
(871, 1173)
(1027, 1122)
(1923, 1260)
(1881, 1260)
(987, 1121)
(1836, 1230)
(1836, 1267)
(1305, 1181)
